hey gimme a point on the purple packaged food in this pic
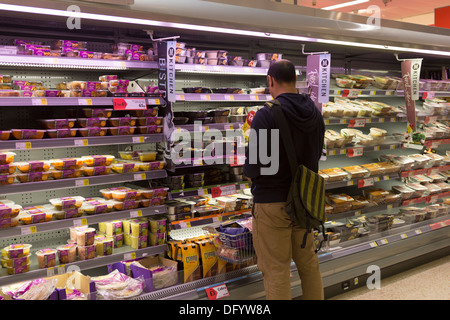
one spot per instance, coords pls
(52, 93)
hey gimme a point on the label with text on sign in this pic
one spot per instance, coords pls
(355, 152)
(217, 292)
(130, 104)
(357, 123)
(223, 191)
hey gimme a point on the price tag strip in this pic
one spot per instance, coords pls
(217, 292)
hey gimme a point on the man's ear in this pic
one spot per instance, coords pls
(269, 81)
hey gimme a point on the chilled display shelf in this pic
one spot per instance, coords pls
(376, 92)
(80, 142)
(426, 199)
(228, 188)
(62, 102)
(361, 182)
(203, 221)
(433, 144)
(357, 213)
(361, 122)
(205, 97)
(73, 63)
(209, 161)
(388, 237)
(232, 70)
(206, 127)
(427, 171)
(356, 151)
(84, 220)
(119, 254)
(16, 188)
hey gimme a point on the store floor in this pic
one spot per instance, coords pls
(430, 281)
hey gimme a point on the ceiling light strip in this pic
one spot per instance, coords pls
(154, 23)
(345, 4)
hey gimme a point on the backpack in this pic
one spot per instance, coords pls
(305, 203)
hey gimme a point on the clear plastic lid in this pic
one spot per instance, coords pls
(16, 251)
(67, 202)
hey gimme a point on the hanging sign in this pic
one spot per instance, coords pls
(411, 76)
(318, 77)
(166, 74)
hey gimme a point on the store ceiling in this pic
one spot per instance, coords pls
(393, 10)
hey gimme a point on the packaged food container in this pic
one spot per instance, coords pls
(377, 133)
(33, 177)
(146, 156)
(67, 253)
(149, 129)
(5, 134)
(151, 112)
(157, 224)
(15, 251)
(149, 121)
(97, 113)
(140, 242)
(33, 166)
(340, 202)
(125, 205)
(97, 160)
(67, 202)
(148, 166)
(128, 155)
(420, 161)
(139, 228)
(68, 214)
(91, 122)
(15, 263)
(374, 169)
(419, 190)
(46, 258)
(85, 237)
(125, 167)
(435, 159)
(335, 174)
(70, 93)
(11, 93)
(76, 85)
(404, 162)
(345, 83)
(61, 133)
(389, 167)
(104, 246)
(7, 157)
(25, 134)
(18, 270)
(96, 171)
(58, 123)
(107, 78)
(405, 192)
(122, 195)
(94, 93)
(114, 131)
(67, 163)
(356, 172)
(122, 122)
(92, 132)
(86, 252)
(8, 168)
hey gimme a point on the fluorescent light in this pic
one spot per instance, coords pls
(183, 26)
(345, 4)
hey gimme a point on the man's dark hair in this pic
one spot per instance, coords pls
(283, 71)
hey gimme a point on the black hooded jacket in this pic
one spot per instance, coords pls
(307, 129)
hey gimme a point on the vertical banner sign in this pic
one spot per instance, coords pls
(411, 76)
(318, 77)
(166, 83)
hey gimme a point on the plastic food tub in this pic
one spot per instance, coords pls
(125, 205)
(92, 122)
(33, 166)
(125, 167)
(58, 123)
(97, 160)
(151, 112)
(61, 133)
(85, 237)
(122, 195)
(15, 263)
(149, 129)
(67, 202)
(97, 113)
(96, 171)
(33, 177)
(146, 156)
(46, 258)
(122, 122)
(67, 253)
(149, 121)
(104, 246)
(24, 134)
(114, 131)
(86, 252)
(91, 208)
(7, 157)
(67, 163)
(154, 193)
(15, 251)
(5, 134)
(92, 132)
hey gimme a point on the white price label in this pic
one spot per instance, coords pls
(23, 145)
(229, 97)
(205, 97)
(403, 236)
(140, 176)
(136, 213)
(28, 230)
(254, 97)
(82, 183)
(61, 269)
(50, 272)
(138, 139)
(80, 222)
(39, 102)
(81, 142)
(85, 102)
(129, 256)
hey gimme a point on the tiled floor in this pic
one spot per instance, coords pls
(430, 281)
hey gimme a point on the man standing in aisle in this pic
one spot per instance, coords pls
(277, 240)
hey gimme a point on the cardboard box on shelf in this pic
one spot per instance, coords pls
(74, 280)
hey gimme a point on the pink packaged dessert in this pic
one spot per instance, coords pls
(107, 78)
(85, 237)
(46, 258)
(67, 253)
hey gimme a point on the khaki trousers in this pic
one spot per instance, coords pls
(277, 241)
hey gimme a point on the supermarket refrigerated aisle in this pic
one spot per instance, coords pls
(430, 281)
